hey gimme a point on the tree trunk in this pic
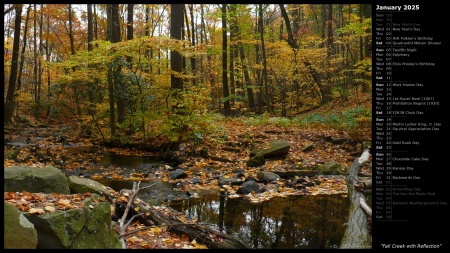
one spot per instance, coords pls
(72, 49)
(193, 43)
(291, 41)
(35, 63)
(326, 90)
(9, 102)
(357, 233)
(264, 59)
(226, 93)
(112, 111)
(22, 54)
(130, 29)
(176, 26)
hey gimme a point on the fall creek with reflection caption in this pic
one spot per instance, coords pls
(292, 222)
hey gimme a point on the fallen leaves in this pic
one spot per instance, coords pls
(40, 203)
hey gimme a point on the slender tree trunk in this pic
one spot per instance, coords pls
(226, 93)
(233, 50)
(9, 102)
(119, 93)
(91, 88)
(324, 23)
(47, 54)
(41, 50)
(35, 79)
(130, 28)
(326, 91)
(72, 48)
(193, 36)
(240, 47)
(22, 54)
(112, 112)
(291, 41)
(90, 27)
(95, 23)
(258, 57)
(264, 60)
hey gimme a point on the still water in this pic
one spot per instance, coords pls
(293, 222)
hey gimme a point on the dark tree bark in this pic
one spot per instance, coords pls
(9, 106)
(226, 93)
(8, 10)
(193, 43)
(367, 13)
(233, 49)
(176, 26)
(291, 41)
(95, 24)
(22, 54)
(41, 52)
(119, 95)
(47, 54)
(35, 58)
(326, 90)
(113, 34)
(264, 60)
(130, 29)
(90, 27)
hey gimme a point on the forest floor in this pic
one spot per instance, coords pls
(41, 147)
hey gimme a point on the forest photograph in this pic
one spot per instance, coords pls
(187, 126)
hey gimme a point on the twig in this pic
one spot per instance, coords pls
(122, 225)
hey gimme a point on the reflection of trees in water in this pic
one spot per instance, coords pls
(256, 223)
(291, 222)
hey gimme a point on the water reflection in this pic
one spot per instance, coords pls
(294, 222)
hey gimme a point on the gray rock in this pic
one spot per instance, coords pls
(267, 176)
(177, 174)
(86, 228)
(277, 148)
(257, 160)
(308, 147)
(331, 168)
(19, 233)
(32, 179)
(82, 185)
(231, 181)
(249, 187)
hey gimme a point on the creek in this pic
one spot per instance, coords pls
(292, 222)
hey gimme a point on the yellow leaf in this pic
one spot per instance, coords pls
(36, 211)
(50, 209)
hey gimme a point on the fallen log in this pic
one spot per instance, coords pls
(357, 235)
(166, 216)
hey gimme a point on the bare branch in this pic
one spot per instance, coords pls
(9, 10)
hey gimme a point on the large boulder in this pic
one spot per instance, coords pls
(19, 233)
(32, 179)
(83, 185)
(87, 228)
(276, 148)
